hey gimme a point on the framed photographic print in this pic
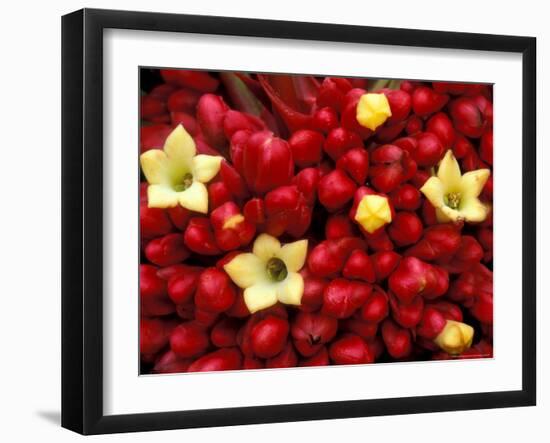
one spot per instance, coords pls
(270, 221)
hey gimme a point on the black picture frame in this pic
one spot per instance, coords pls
(82, 216)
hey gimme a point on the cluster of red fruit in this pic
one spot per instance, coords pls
(296, 164)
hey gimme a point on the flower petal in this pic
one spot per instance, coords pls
(260, 296)
(155, 167)
(445, 214)
(372, 110)
(473, 210)
(291, 289)
(180, 147)
(246, 270)
(205, 167)
(449, 173)
(473, 182)
(266, 247)
(195, 198)
(441, 216)
(161, 196)
(294, 255)
(434, 189)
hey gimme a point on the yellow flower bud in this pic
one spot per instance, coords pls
(455, 337)
(373, 212)
(373, 110)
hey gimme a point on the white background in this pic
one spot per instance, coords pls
(126, 393)
(30, 222)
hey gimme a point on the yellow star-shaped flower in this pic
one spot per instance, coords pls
(455, 337)
(176, 174)
(373, 212)
(455, 196)
(373, 110)
(269, 273)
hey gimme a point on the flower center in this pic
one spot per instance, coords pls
(186, 183)
(276, 269)
(452, 200)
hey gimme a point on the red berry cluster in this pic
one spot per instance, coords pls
(296, 165)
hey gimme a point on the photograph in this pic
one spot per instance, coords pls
(301, 220)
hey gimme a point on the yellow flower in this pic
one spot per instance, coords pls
(176, 174)
(455, 337)
(373, 212)
(269, 273)
(372, 110)
(455, 196)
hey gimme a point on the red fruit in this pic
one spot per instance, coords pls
(482, 308)
(224, 333)
(231, 229)
(332, 92)
(329, 256)
(407, 315)
(405, 229)
(152, 290)
(267, 162)
(390, 166)
(269, 336)
(153, 222)
(429, 150)
(420, 178)
(306, 146)
(319, 359)
(376, 307)
(409, 279)
(397, 340)
(183, 100)
(252, 363)
(341, 297)
(414, 125)
(338, 226)
(151, 107)
(182, 286)
(211, 111)
(341, 140)
(198, 80)
(179, 216)
(462, 147)
(400, 104)
(238, 121)
(364, 329)
(440, 125)
(199, 237)
(287, 358)
(170, 363)
(312, 298)
(238, 309)
(233, 180)
(467, 117)
(390, 131)
(432, 323)
(468, 254)
(356, 163)
(325, 119)
(237, 148)
(153, 136)
(218, 194)
(153, 334)
(307, 181)
(485, 238)
(384, 262)
(162, 91)
(227, 359)
(486, 147)
(335, 190)
(426, 101)
(189, 340)
(379, 240)
(439, 241)
(205, 319)
(215, 293)
(311, 331)
(187, 121)
(359, 266)
(167, 250)
(406, 197)
(254, 211)
(350, 350)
